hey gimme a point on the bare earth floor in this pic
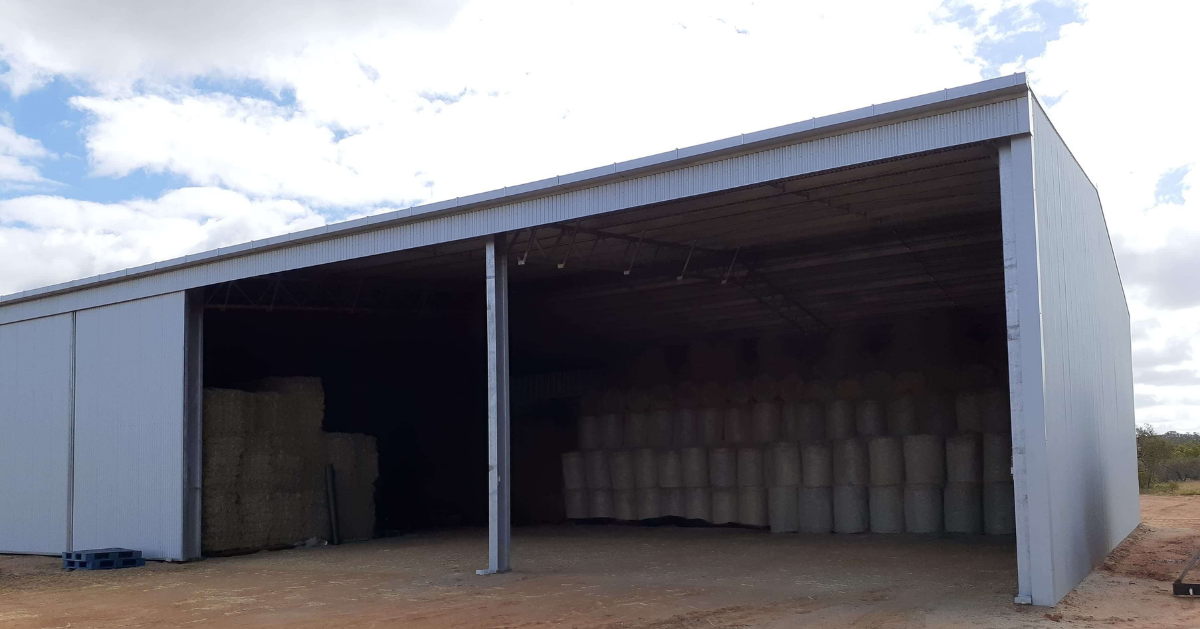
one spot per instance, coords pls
(618, 576)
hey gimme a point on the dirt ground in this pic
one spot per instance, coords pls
(618, 576)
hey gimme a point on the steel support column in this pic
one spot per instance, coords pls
(499, 495)
(1023, 305)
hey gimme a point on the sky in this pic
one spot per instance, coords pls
(133, 131)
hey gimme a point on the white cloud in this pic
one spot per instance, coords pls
(1127, 113)
(503, 96)
(18, 157)
(118, 42)
(49, 239)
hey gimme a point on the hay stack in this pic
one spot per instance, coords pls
(355, 460)
(225, 415)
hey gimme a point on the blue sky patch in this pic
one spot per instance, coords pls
(1171, 186)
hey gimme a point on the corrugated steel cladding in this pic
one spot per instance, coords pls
(974, 124)
(129, 427)
(1087, 367)
(35, 425)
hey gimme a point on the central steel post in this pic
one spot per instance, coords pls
(499, 495)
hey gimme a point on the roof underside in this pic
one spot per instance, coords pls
(810, 254)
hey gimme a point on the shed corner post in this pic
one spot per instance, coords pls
(499, 493)
(1030, 465)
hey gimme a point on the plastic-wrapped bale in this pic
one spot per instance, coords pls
(645, 468)
(724, 506)
(963, 504)
(869, 419)
(637, 430)
(574, 474)
(670, 469)
(816, 509)
(650, 503)
(687, 428)
(812, 421)
(791, 388)
(764, 388)
(714, 394)
(752, 506)
(923, 508)
(688, 394)
(817, 461)
(887, 509)
(839, 420)
(662, 396)
(851, 511)
(849, 389)
(612, 400)
(764, 422)
(600, 503)
(910, 382)
(938, 416)
(722, 468)
(226, 413)
(355, 460)
(612, 431)
(695, 467)
(850, 464)
(879, 384)
(999, 509)
(620, 466)
(885, 457)
(712, 426)
(964, 458)
(589, 432)
(789, 422)
(786, 470)
(698, 503)
(674, 502)
(902, 416)
(966, 412)
(637, 399)
(738, 392)
(598, 474)
(993, 405)
(783, 509)
(661, 428)
(997, 458)
(750, 467)
(576, 503)
(737, 425)
(924, 460)
(625, 505)
(818, 391)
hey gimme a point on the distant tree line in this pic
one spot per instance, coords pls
(1169, 457)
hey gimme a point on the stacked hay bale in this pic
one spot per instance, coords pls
(355, 460)
(263, 479)
(963, 501)
(882, 454)
(289, 444)
(783, 498)
(885, 456)
(999, 508)
(224, 424)
(924, 476)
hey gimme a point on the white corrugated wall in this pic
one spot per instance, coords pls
(35, 425)
(130, 427)
(1070, 368)
(1087, 367)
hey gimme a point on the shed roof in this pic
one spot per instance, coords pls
(852, 143)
